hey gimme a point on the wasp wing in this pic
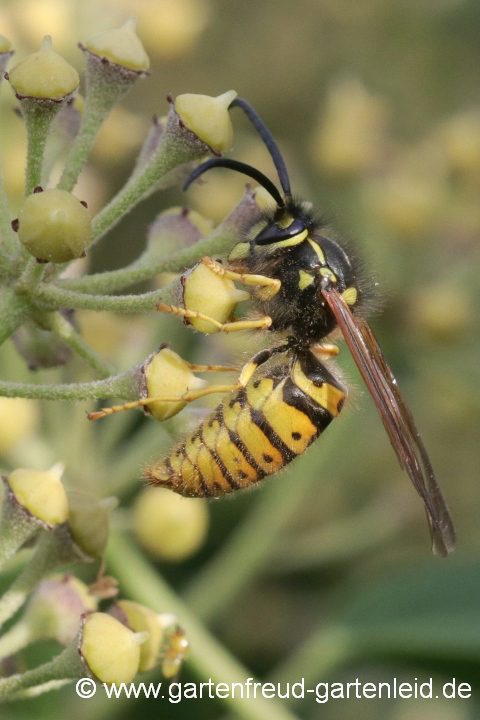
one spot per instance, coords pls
(397, 419)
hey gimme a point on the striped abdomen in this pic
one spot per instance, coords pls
(254, 432)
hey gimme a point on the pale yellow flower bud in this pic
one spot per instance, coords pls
(54, 226)
(121, 46)
(5, 44)
(44, 75)
(208, 118)
(140, 619)
(41, 493)
(210, 294)
(111, 650)
(168, 375)
(18, 418)
(171, 527)
(263, 199)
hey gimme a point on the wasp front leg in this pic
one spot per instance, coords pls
(271, 285)
(210, 297)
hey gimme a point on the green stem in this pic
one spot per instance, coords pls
(207, 657)
(18, 637)
(14, 310)
(123, 386)
(217, 243)
(8, 241)
(38, 116)
(52, 297)
(134, 191)
(66, 331)
(81, 146)
(63, 668)
(252, 544)
(17, 525)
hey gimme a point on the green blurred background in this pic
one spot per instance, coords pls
(325, 572)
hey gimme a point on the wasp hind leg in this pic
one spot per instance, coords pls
(190, 396)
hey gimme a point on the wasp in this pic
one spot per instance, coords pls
(304, 285)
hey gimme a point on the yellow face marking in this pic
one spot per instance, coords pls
(318, 250)
(240, 250)
(305, 279)
(285, 222)
(350, 295)
(289, 242)
(327, 273)
(287, 420)
(327, 396)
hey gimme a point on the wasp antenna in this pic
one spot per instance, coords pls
(238, 167)
(267, 138)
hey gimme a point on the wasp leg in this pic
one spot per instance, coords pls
(271, 285)
(210, 368)
(328, 349)
(263, 322)
(245, 375)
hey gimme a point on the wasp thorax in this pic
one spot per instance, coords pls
(168, 375)
(207, 293)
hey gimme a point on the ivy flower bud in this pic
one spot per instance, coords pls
(171, 527)
(88, 520)
(54, 226)
(210, 294)
(167, 374)
(208, 118)
(263, 199)
(122, 46)
(141, 619)
(44, 75)
(18, 418)
(111, 650)
(41, 493)
(55, 609)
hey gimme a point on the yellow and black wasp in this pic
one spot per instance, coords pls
(305, 284)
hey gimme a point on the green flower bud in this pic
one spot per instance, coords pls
(111, 650)
(89, 519)
(171, 527)
(54, 226)
(55, 609)
(167, 374)
(208, 118)
(41, 493)
(210, 294)
(140, 619)
(122, 47)
(44, 75)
